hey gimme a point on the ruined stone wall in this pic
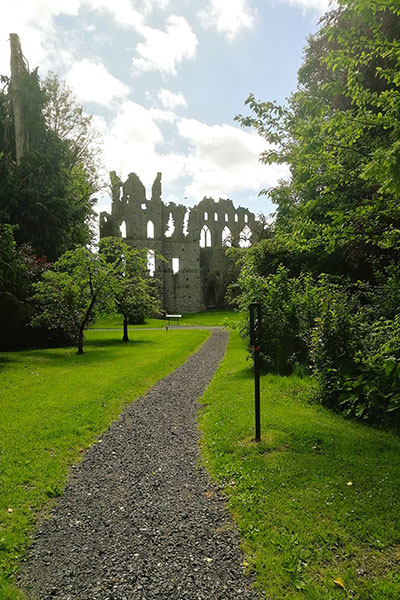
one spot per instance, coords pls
(195, 271)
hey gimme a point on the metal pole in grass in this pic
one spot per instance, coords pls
(255, 338)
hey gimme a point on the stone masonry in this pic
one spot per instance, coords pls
(196, 271)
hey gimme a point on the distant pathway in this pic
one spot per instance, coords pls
(139, 519)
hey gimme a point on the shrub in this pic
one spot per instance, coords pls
(372, 392)
(334, 329)
(289, 308)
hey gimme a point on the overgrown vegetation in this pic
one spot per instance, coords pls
(317, 500)
(46, 196)
(328, 278)
(53, 405)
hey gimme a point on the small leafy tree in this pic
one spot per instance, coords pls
(71, 294)
(134, 289)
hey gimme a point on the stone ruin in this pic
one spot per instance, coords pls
(196, 271)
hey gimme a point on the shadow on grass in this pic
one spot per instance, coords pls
(4, 360)
(116, 342)
(245, 373)
(102, 350)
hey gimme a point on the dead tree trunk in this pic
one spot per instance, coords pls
(18, 70)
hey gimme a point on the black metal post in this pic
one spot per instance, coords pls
(255, 335)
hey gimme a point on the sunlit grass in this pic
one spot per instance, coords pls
(207, 318)
(53, 405)
(317, 500)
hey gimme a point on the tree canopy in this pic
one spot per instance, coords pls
(134, 290)
(48, 196)
(340, 136)
(329, 277)
(69, 296)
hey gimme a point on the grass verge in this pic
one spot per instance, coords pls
(317, 501)
(208, 318)
(53, 404)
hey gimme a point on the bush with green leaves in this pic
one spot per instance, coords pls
(289, 308)
(371, 391)
(333, 329)
(355, 353)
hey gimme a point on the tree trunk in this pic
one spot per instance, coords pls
(125, 338)
(80, 342)
(18, 70)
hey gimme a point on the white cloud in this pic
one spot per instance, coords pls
(317, 6)
(171, 99)
(228, 17)
(135, 124)
(224, 160)
(92, 82)
(121, 11)
(164, 50)
(168, 116)
(217, 160)
(33, 21)
(130, 142)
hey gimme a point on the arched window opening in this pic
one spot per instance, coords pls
(236, 218)
(211, 295)
(170, 226)
(246, 218)
(226, 237)
(244, 237)
(186, 223)
(206, 216)
(151, 262)
(150, 230)
(175, 265)
(215, 216)
(123, 229)
(205, 237)
(226, 217)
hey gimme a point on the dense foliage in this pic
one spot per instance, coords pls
(328, 279)
(46, 197)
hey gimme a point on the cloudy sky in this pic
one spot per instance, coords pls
(165, 79)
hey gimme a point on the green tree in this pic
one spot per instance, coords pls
(339, 214)
(340, 136)
(70, 295)
(49, 195)
(66, 118)
(134, 289)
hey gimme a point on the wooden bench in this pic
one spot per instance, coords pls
(173, 318)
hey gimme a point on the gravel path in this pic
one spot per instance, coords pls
(139, 519)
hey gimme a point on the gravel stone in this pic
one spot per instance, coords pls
(139, 518)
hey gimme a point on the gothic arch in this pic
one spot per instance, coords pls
(205, 237)
(150, 230)
(226, 237)
(245, 236)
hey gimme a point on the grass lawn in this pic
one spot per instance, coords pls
(53, 405)
(212, 317)
(317, 500)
